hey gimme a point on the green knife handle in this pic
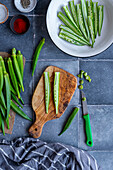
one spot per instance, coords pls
(89, 141)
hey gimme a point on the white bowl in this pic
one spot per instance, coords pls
(4, 13)
(101, 43)
(29, 9)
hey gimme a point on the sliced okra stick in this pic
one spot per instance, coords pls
(85, 16)
(1, 79)
(95, 9)
(56, 90)
(13, 97)
(16, 67)
(13, 76)
(47, 90)
(77, 39)
(91, 28)
(8, 93)
(70, 31)
(81, 20)
(100, 18)
(67, 22)
(19, 111)
(70, 40)
(73, 11)
(2, 100)
(67, 12)
(20, 62)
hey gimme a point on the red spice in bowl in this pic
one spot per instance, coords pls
(20, 26)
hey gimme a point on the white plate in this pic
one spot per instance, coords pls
(102, 42)
(3, 13)
(29, 9)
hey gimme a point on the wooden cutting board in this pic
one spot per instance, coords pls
(12, 113)
(68, 84)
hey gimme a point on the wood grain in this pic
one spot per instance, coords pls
(68, 84)
(12, 113)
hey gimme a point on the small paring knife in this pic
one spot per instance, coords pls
(86, 117)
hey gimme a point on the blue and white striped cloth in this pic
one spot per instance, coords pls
(33, 154)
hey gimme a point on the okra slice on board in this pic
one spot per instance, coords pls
(71, 32)
(13, 76)
(85, 16)
(56, 90)
(81, 21)
(91, 28)
(100, 18)
(47, 90)
(16, 67)
(70, 40)
(67, 12)
(67, 22)
(1, 79)
(73, 11)
(20, 62)
(8, 93)
(95, 10)
(73, 37)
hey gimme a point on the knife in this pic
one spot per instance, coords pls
(89, 140)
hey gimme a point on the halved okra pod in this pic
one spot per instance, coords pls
(91, 29)
(1, 79)
(95, 9)
(16, 67)
(20, 62)
(73, 11)
(85, 16)
(68, 23)
(67, 12)
(8, 93)
(100, 18)
(81, 21)
(56, 90)
(90, 10)
(47, 90)
(13, 76)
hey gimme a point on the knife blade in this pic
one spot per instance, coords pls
(89, 140)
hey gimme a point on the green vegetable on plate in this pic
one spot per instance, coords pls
(47, 90)
(95, 10)
(73, 11)
(100, 18)
(70, 119)
(56, 90)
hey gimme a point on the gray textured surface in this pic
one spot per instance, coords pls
(99, 92)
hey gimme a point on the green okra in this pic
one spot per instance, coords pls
(1, 79)
(85, 16)
(70, 40)
(74, 37)
(73, 11)
(71, 32)
(100, 18)
(2, 64)
(90, 11)
(69, 121)
(13, 76)
(56, 90)
(36, 55)
(19, 111)
(8, 93)
(20, 62)
(67, 12)
(81, 20)
(68, 23)
(91, 28)
(3, 111)
(13, 97)
(16, 67)
(47, 90)
(95, 10)
(2, 126)
(80, 87)
(0, 120)
(2, 100)
(21, 100)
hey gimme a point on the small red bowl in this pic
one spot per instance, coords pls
(19, 17)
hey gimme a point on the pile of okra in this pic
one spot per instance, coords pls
(11, 83)
(82, 22)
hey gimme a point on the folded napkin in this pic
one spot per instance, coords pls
(33, 154)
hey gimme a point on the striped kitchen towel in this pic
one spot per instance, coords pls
(32, 154)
